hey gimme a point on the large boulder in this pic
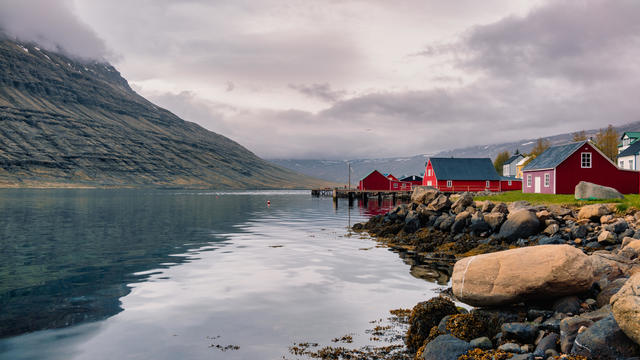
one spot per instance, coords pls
(605, 341)
(519, 224)
(494, 219)
(535, 272)
(626, 307)
(424, 194)
(593, 212)
(445, 347)
(590, 191)
(440, 203)
(461, 203)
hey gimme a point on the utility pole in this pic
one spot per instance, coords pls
(349, 175)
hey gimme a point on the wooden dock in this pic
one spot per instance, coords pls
(352, 194)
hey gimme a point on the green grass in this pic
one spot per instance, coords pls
(630, 201)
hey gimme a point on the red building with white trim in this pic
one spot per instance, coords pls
(466, 174)
(560, 168)
(376, 181)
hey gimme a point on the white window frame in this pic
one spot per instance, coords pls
(488, 184)
(429, 171)
(449, 183)
(630, 164)
(429, 183)
(528, 180)
(509, 182)
(586, 156)
(395, 185)
(547, 180)
(621, 164)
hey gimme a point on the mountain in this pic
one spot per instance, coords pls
(337, 170)
(70, 122)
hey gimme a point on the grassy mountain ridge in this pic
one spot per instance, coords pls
(67, 122)
(336, 170)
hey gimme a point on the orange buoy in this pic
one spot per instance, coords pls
(268, 202)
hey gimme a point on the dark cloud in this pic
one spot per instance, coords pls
(319, 91)
(52, 25)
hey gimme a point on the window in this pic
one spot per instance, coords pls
(488, 183)
(429, 183)
(395, 185)
(585, 160)
(449, 183)
(528, 180)
(621, 164)
(547, 180)
(509, 182)
(429, 172)
(631, 164)
(626, 141)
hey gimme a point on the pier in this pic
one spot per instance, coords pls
(365, 195)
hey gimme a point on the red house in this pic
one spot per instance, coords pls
(379, 182)
(466, 174)
(560, 168)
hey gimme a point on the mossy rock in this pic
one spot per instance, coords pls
(466, 326)
(424, 316)
(478, 354)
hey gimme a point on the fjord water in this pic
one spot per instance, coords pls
(150, 274)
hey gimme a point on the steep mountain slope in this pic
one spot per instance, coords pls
(336, 170)
(66, 122)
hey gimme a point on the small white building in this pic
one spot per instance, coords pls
(628, 158)
(627, 139)
(509, 166)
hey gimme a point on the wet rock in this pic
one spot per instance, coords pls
(510, 347)
(440, 203)
(587, 191)
(605, 340)
(521, 332)
(617, 227)
(481, 343)
(445, 347)
(626, 307)
(478, 225)
(465, 326)
(447, 221)
(548, 342)
(593, 212)
(510, 276)
(424, 194)
(460, 222)
(424, 316)
(609, 266)
(569, 330)
(608, 291)
(520, 224)
(501, 208)
(411, 222)
(554, 240)
(579, 231)
(567, 305)
(522, 357)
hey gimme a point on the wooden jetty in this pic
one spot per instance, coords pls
(353, 194)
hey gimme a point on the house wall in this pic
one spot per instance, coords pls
(400, 185)
(468, 185)
(374, 181)
(602, 172)
(429, 178)
(540, 174)
(628, 162)
(515, 185)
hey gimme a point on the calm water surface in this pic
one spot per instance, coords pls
(142, 274)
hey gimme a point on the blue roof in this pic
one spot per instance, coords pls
(464, 169)
(513, 158)
(633, 149)
(553, 156)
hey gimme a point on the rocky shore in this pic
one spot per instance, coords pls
(546, 282)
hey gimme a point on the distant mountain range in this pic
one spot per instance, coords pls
(337, 170)
(67, 122)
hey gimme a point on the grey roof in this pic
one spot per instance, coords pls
(411, 178)
(510, 178)
(464, 169)
(513, 158)
(553, 156)
(633, 149)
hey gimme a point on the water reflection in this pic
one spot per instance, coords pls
(162, 274)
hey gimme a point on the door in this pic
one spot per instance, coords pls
(537, 184)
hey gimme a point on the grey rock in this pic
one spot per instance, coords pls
(482, 343)
(424, 194)
(521, 332)
(518, 205)
(569, 330)
(551, 229)
(446, 223)
(495, 219)
(461, 203)
(609, 290)
(567, 305)
(501, 208)
(587, 191)
(607, 237)
(547, 342)
(510, 347)
(445, 347)
(578, 231)
(440, 203)
(527, 356)
(487, 206)
(604, 340)
(520, 224)
(554, 240)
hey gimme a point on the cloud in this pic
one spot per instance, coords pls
(52, 25)
(319, 91)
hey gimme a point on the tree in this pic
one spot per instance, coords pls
(580, 136)
(607, 142)
(501, 158)
(540, 146)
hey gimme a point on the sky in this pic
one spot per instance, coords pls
(346, 79)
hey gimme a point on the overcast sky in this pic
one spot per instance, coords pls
(339, 79)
